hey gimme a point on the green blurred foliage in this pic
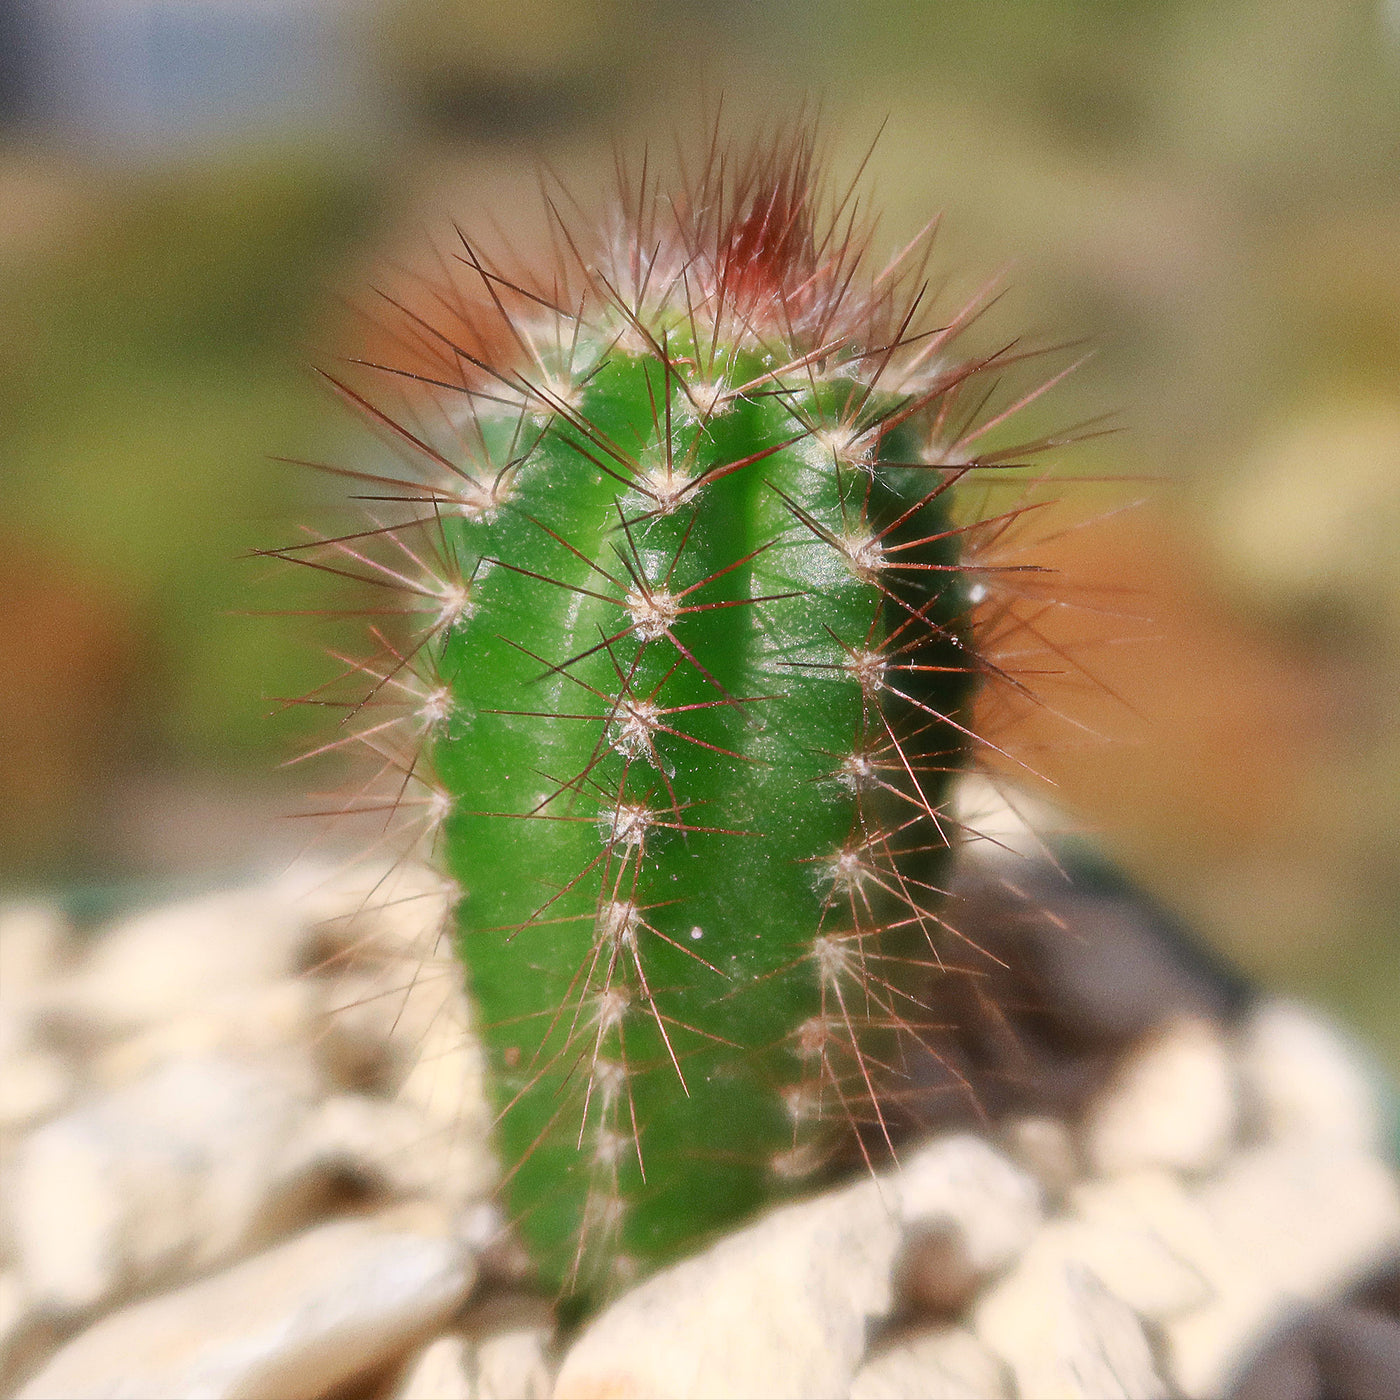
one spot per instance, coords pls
(154, 356)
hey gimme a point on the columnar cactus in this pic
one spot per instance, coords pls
(694, 630)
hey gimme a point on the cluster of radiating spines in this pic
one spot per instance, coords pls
(396, 700)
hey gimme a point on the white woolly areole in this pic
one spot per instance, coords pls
(652, 613)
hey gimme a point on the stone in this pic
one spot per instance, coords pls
(1128, 1229)
(513, 1365)
(1302, 1081)
(1044, 1147)
(389, 1144)
(1001, 821)
(27, 1337)
(35, 1080)
(1312, 1219)
(792, 1294)
(1062, 1333)
(962, 1179)
(155, 967)
(171, 1174)
(403, 1029)
(778, 1309)
(1135, 1266)
(1171, 1103)
(1287, 1226)
(368, 906)
(272, 1021)
(14, 1323)
(34, 1083)
(438, 1373)
(935, 1276)
(1336, 1350)
(293, 1323)
(948, 1363)
(35, 942)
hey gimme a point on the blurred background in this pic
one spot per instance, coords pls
(1206, 192)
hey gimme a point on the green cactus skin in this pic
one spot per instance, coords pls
(698, 636)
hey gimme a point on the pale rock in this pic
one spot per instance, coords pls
(447, 1080)
(1308, 1218)
(778, 1309)
(1302, 1081)
(1289, 1226)
(12, 1305)
(995, 1206)
(446, 1089)
(1125, 1228)
(438, 1373)
(380, 1018)
(293, 1323)
(1170, 1104)
(14, 1317)
(34, 1084)
(203, 1158)
(369, 906)
(35, 1081)
(1045, 1148)
(1062, 1333)
(1133, 1265)
(406, 1030)
(272, 1020)
(1002, 824)
(35, 941)
(361, 1038)
(390, 1144)
(791, 1296)
(1203, 1339)
(27, 1337)
(945, 1364)
(165, 1176)
(155, 967)
(513, 1365)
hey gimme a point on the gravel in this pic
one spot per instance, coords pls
(244, 1151)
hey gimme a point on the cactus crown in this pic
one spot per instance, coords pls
(675, 632)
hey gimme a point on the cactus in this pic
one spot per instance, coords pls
(678, 630)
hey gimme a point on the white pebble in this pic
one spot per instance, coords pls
(369, 907)
(776, 1310)
(1170, 1104)
(995, 1206)
(513, 1365)
(792, 1295)
(438, 1373)
(1303, 1082)
(14, 1323)
(290, 1324)
(1290, 1226)
(157, 966)
(1045, 1148)
(34, 1083)
(390, 1143)
(1064, 1334)
(272, 1020)
(1145, 1237)
(35, 941)
(167, 1175)
(945, 1364)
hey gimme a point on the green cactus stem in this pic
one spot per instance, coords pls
(697, 635)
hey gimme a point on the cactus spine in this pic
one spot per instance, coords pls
(695, 632)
